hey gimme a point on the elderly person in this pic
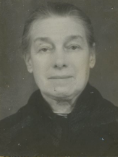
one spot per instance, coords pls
(66, 116)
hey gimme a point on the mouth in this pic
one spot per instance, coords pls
(60, 77)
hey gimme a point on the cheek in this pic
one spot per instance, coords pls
(80, 63)
(40, 65)
(38, 72)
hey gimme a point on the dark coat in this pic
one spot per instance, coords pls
(91, 129)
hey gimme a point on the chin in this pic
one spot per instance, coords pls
(62, 93)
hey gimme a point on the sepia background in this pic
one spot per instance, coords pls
(16, 84)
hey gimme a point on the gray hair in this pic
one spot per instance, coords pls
(59, 9)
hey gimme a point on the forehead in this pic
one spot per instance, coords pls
(57, 28)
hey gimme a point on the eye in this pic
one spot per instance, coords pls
(74, 47)
(44, 49)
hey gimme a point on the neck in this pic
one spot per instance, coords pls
(60, 106)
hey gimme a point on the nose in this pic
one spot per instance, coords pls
(60, 60)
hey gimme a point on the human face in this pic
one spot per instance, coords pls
(60, 57)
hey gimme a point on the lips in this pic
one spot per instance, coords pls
(60, 77)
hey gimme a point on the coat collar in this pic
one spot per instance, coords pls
(83, 103)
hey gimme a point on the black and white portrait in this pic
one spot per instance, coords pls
(58, 78)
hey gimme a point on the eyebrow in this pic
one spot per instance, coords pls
(74, 37)
(43, 39)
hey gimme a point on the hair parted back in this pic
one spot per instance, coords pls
(56, 9)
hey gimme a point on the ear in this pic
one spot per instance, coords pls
(28, 61)
(92, 56)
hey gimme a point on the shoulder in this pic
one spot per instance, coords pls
(22, 119)
(24, 113)
(103, 112)
(98, 98)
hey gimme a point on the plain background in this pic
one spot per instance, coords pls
(16, 84)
